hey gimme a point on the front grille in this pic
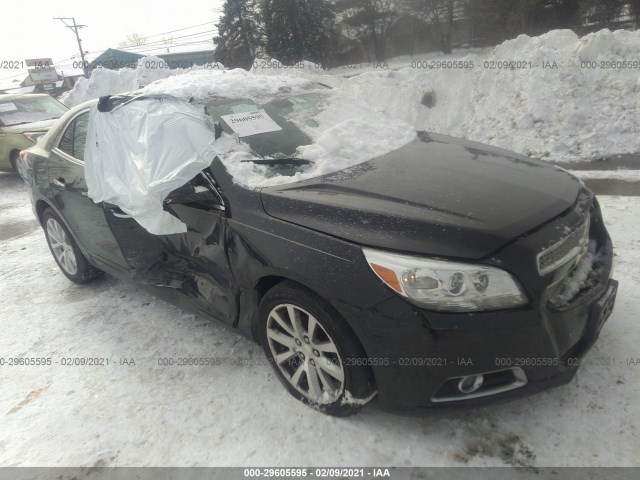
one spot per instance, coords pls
(565, 250)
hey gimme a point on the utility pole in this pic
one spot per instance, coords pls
(75, 29)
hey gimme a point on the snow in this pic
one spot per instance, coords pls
(349, 399)
(201, 84)
(346, 131)
(147, 414)
(631, 176)
(559, 114)
(555, 107)
(578, 279)
(110, 82)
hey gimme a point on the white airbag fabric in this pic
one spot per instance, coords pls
(141, 151)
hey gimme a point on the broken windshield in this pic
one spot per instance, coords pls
(271, 130)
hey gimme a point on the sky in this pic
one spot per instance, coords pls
(35, 33)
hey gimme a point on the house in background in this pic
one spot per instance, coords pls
(114, 58)
(68, 76)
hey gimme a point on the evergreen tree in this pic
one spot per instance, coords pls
(371, 20)
(635, 11)
(240, 37)
(319, 29)
(298, 29)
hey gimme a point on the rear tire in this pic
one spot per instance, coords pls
(313, 352)
(65, 250)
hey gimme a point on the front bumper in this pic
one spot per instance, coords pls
(419, 357)
(416, 370)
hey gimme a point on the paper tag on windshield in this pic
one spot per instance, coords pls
(251, 123)
(8, 107)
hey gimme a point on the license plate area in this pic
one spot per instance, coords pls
(601, 311)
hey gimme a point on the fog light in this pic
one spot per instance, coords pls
(470, 384)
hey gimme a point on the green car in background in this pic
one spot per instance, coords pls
(23, 119)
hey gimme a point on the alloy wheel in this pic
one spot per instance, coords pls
(305, 353)
(61, 247)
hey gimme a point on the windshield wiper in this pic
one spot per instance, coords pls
(14, 124)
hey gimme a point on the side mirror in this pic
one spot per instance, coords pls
(199, 195)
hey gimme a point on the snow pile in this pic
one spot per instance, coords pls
(110, 82)
(102, 82)
(206, 83)
(556, 107)
(344, 131)
(271, 66)
(559, 103)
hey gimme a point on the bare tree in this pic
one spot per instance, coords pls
(602, 12)
(371, 20)
(635, 11)
(439, 15)
(133, 40)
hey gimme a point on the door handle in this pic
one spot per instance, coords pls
(60, 183)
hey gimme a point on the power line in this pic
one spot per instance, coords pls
(142, 48)
(179, 30)
(75, 29)
(163, 42)
(101, 50)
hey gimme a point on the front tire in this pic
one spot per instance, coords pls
(65, 250)
(314, 354)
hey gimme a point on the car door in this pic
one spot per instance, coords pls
(69, 195)
(193, 264)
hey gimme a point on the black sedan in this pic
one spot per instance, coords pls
(443, 273)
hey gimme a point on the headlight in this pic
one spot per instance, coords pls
(446, 286)
(34, 136)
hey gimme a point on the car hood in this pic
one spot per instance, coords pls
(41, 126)
(438, 196)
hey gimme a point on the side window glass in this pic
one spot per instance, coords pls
(66, 142)
(80, 136)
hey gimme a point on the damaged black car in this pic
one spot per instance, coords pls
(444, 272)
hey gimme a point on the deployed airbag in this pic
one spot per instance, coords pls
(140, 151)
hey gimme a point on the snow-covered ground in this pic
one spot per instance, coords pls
(237, 413)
